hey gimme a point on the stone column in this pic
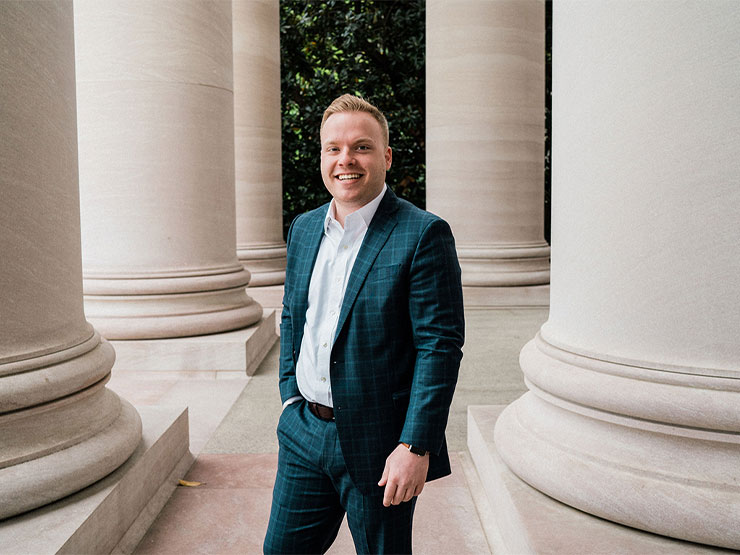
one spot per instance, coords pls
(634, 408)
(156, 141)
(257, 130)
(60, 428)
(485, 143)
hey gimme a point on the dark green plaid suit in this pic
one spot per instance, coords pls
(397, 348)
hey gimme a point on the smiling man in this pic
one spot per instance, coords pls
(370, 346)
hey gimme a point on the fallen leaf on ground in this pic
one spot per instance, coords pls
(190, 484)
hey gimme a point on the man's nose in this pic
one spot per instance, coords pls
(346, 158)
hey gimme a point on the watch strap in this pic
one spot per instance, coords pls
(415, 450)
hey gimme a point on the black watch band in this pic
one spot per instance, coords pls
(415, 450)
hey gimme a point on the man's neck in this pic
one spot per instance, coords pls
(340, 211)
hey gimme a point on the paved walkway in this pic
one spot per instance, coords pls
(233, 422)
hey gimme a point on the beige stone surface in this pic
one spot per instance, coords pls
(60, 428)
(220, 354)
(645, 196)
(117, 510)
(525, 520)
(485, 136)
(156, 150)
(633, 411)
(257, 130)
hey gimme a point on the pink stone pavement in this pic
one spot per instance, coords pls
(228, 513)
(232, 434)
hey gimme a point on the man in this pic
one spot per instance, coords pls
(370, 346)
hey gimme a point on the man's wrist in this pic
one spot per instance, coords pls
(415, 450)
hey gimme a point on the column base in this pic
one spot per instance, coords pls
(266, 263)
(506, 296)
(527, 521)
(115, 512)
(268, 296)
(219, 354)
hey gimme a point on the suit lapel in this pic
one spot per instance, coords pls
(377, 234)
(306, 260)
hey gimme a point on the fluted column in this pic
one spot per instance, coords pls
(485, 136)
(259, 186)
(60, 428)
(634, 408)
(156, 140)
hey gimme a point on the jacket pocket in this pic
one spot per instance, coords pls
(382, 273)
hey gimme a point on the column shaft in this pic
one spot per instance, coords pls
(485, 136)
(634, 408)
(257, 130)
(60, 428)
(156, 141)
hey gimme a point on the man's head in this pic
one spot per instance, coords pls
(354, 153)
(351, 103)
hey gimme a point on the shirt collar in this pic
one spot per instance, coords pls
(367, 212)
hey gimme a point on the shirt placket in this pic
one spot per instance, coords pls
(337, 271)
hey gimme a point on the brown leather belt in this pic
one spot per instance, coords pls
(321, 411)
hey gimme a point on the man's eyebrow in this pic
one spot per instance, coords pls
(358, 140)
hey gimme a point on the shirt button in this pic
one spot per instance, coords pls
(333, 312)
(323, 379)
(345, 247)
(338, 280)
(324, 345)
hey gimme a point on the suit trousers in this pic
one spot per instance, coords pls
(313, 491)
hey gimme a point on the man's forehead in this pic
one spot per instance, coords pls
(341, 137)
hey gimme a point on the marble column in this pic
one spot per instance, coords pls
(257, 130)
(156, 141)
(60, 428)
(633, 413)
(485, 143)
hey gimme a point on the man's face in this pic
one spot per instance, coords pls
(354, 159)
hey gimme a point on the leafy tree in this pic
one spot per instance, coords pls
(366, 47)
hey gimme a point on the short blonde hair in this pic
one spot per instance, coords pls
(352, 103)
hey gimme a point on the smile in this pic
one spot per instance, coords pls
(346, 176)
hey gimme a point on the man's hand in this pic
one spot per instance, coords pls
(403, 476)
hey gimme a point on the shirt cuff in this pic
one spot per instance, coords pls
(292, 400)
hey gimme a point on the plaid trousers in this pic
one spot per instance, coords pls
(313, 491)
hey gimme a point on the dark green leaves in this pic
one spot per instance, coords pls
(366, 47)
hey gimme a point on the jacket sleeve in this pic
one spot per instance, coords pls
(438, 327)
(287, 382)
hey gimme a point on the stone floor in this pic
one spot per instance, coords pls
(232, 428)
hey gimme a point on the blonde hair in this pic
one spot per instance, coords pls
(352, 103)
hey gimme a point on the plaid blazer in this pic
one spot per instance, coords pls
(397, 348)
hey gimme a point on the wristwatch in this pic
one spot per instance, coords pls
(415, 450)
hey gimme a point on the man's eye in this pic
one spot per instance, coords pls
(363, 147)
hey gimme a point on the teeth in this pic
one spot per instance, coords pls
(345, 176)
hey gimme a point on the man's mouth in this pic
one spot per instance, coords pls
(348, 176)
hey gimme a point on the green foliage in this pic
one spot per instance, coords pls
(366, 47)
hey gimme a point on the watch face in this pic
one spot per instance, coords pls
(417, 450)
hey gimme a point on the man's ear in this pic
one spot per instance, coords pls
(388, 157)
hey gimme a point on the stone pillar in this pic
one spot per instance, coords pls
(156, 141)
(257, 130)
(634, 408)
(485, 143)
(60, 428)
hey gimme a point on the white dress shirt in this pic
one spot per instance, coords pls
(334, 262)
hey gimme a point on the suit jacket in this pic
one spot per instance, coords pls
(397, 349)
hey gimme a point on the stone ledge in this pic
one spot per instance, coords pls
(239, 350)
(269, 296)
(527, 521)
(117, 510)
(506, 297)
